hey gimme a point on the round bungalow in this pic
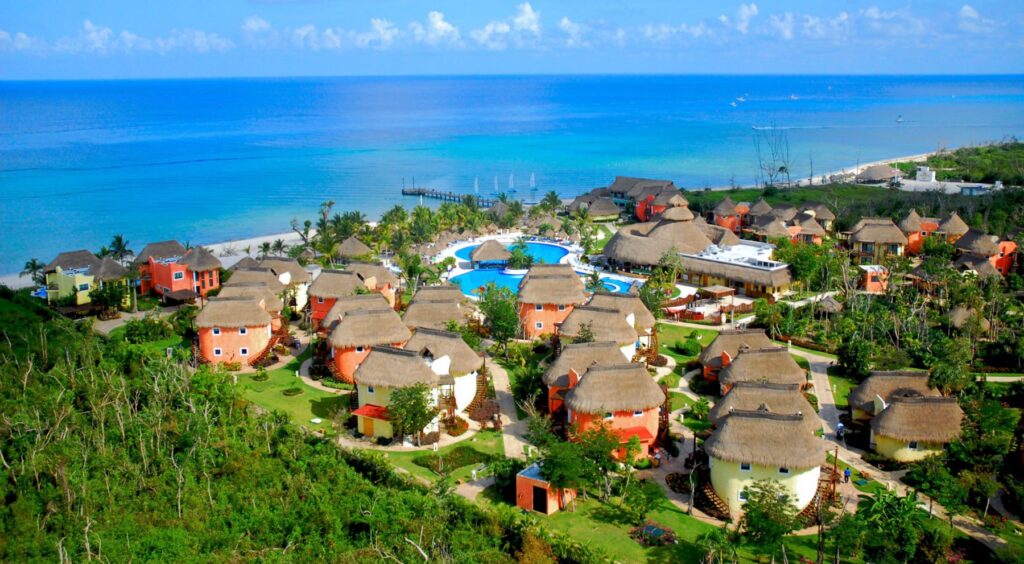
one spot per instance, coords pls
(385, 370)
(914, 428)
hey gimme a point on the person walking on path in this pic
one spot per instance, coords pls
(846, 475)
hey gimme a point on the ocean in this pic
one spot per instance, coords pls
(204, 161)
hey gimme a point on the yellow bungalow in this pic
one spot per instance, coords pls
(761, 445)
(77, 273)
(385, 370)
(914, 428)
(880, 389)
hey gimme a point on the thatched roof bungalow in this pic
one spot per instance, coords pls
(914, 428)
(883, 387)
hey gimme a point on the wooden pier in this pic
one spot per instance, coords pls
(447, 196)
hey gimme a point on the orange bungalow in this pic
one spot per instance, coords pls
(535, 493)
(653, 205)
(730, 215)
(358, 332)
(327, 288)
(917, 229)
(874, 278)
(233, 330)
(350, 303)
(978, 246)
(575, 359)
(376, 278)
(622, 397)
(547, 295)
(727, 345)
(167, 269)
(272, 302)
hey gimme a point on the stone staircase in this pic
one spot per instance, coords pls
(709, 502)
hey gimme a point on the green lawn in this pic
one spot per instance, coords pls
(603, 236)
(819, 353)
(311, 403)
(668, 335)
(872, 487)
(842, 386)
(159, 347)
(487, 442)
(801, 362)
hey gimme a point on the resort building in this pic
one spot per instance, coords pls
(234, 330)
(777, 398)
(352, 249)
(387, 369)
(535, 493)
(724, 348)
(576, 359)
(882, 388)
(357, 332)
(976, 247)
(605, 324)
(961, 318)
(271, 302)
(874, 278)
(622, 397)
(762, 214)
(917, 229)
(455, 363)
(626, 191)
(763, 445)
(377, 278)
(729, 214)
(547, 295)
(603, 209)
(914, 428)
(652, 205)
(327, 288)
(632, 308)
(490, 253)
(952, 228)
(442, 292)
(295, 278)
(350, 303)
(879, 174)
(167, 269)
(77, 273)
(746, 266)
(769, 365)
(872, 240)
(436, 314)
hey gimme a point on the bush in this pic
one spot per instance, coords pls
(812, 399)
(459, 456)
(485, 412)
(231, 366)
(653, 533)
(456, 426)
(672, 448)
(293, 391)
(659, 361)
(688, 347)
(429, 438)
(679, 482)
(504, 472)
(261, 376)
(642, 464)
(384, 441)
(146, 330)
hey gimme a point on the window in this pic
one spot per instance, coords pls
(638, 413)
(783, 470)
(539, 325)
(243, 351)
(369, 389)
(912, 445)
(179, 275)
(608, 415)
(561, 307)
(539, 307)
(83, 287)
(243, 330)
(216, 330)
(745, 466)
(359, 349)
(217, 352)
(743, 496)
(319, 299)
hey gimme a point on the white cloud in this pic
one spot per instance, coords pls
(782, 25)
(741, 21)
(970, 20)
(826, 28)
(664, 32)
(255, 24)
(194, 40)
(897, 23)
(524, 29)
(526, 19)
(574, 31)
(100, 39)
(436, 31)
(382, 34)
(492, 36)
(19, 41)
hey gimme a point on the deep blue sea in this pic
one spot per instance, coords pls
(210, 160)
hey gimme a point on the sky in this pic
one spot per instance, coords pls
(75, 39)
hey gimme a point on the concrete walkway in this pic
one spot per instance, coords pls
(513, 429)
(470, 490)
(307, 380)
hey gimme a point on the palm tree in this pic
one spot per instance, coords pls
(412, 269)
(278, 247)
(119, 249)
(594, 282)
(265, 248)
(717, 547)
(35, 269)
(551, 201)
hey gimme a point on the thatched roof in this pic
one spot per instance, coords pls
(367, 270)
(551, 286)
(335, 284)
(367, 328)
(772, 365)
(829, 304)
(977, 242)
(766, 439)
(670, 198)
(784, 399)
(580, 357)
(607, 324)
(725, 207)
(619, 387)
(646, 243)
(730, 341)
(634, 187)
(785, 212)
(979, 264)
(160, 251)
(109, 269)
(760, 207)
(490, 251)
(889, 385)
(821, 211)
(199, 259)
(626, 304)
(927, 419)
(346, 304)
(254, 290)
(280, 265)
(246, 262)
(232, 312)
(773, 229)
(603, 207)
(258, 276)
(960, 316)
(877, 230)
(395, 368)
(433, 314)
(911, 223)
(775, 278)
(445, 343)
(953, 225)
(444, 292)
(352, 248)
(74, 260)
(499, 209)
(878, 173)
(809, 225)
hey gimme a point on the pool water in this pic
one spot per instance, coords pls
(541, 252)
(474, 279)
(617, 286)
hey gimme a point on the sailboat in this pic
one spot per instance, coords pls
(899, 118)
(476, 185)
(495, 183)
(511, 183)
(533, 182)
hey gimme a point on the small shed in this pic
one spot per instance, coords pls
(535, 493)
(874, 278)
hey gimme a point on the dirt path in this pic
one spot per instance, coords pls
(513, 429)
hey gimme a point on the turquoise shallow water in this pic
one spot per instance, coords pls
(541, 252)
(210, 160)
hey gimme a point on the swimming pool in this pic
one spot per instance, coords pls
(541, 252)
(617, 286)
(474, 279)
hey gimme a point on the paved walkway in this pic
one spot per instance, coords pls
(513, 429)
(470, 490)
(307, 380)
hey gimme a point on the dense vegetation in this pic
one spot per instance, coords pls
(111, 454)
(989, 163)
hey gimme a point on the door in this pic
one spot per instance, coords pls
(540, 499)
(367, 426)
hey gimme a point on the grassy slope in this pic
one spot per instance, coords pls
(487, 442)
(842, 386)
(301, 408)
(155, 346)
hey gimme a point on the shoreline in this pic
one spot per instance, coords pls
(230, 252)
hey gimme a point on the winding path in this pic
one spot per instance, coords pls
(512, 428)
